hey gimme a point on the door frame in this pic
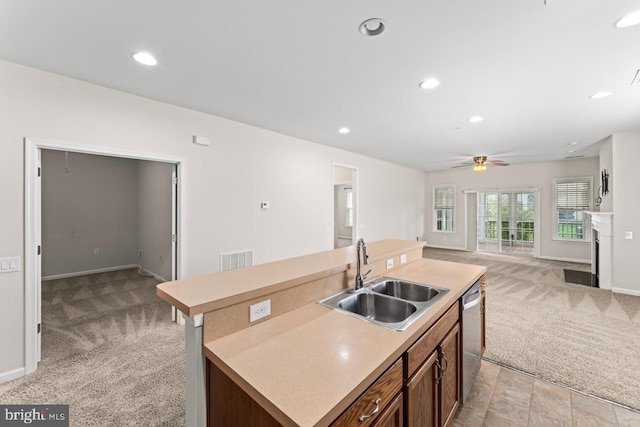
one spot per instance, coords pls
(356, 197)
(536, 216)
(32, 227)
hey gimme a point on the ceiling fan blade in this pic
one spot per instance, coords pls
(462, 166)
(497, 163)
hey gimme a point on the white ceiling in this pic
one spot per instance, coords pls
(302, 68)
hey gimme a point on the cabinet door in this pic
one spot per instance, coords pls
(483, 341)
(392, 416)
(450, 382)
(421, 395)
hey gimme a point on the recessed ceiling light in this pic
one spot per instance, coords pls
(628, 20)
(372, 27)
(476, 119)
(344, 130)
(430, 83)
(145, 58)
(571, 151)
(602, 94)
(574, 143)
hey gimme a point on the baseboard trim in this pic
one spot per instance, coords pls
(151, 273)
(577, 261)
(12, 375)
(83, 273)
(447, 247)
(626, 291)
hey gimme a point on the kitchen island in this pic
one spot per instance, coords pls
(306, 364)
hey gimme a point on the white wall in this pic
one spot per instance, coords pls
(626, 208)
(154, 217)
(88, 202)
(225, 182)
(539, 175)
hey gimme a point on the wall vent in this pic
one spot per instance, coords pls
(234, 260)
(636, 79)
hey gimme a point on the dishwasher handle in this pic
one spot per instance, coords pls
(468, 300)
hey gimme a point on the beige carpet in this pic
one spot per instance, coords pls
(110, 351)
(585, 338)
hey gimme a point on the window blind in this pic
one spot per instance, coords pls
(444, 198)
(574, 195)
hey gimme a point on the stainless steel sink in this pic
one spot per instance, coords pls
(406, 290)
(388, 302)
(376, 307)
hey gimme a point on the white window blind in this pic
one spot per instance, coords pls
(574, 194)
(444, 198)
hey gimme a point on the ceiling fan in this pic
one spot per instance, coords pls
(480, 163)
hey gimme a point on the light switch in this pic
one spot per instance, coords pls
(628, 235)
(9, 265)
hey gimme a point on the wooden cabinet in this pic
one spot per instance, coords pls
(230, 406)
(483, 345)
(421, 395)
(432, 392)
(374, 401)
(392, 416)
(450, 390)
(421, 389)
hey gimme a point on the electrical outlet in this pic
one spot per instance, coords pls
(96, 251)
(403, 259)
(390, 263)
(259, 310)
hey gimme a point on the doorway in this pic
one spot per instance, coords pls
(345, 205)
(506, 222)
(33, 227)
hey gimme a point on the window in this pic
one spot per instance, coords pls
(444, 208)
(349, 207)
(572, 199)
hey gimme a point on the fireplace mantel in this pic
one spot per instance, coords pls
(602, 223)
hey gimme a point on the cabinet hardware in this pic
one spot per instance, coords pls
(438, 372)
(375, 411)
(445, 364)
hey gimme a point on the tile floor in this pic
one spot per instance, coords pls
(503, 397)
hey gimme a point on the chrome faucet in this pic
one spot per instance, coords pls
(360, 277)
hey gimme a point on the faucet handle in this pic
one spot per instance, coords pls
(364, 276)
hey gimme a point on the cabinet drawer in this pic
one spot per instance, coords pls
(418, 352)
(385, 388)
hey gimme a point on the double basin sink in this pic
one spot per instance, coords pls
(388, 302)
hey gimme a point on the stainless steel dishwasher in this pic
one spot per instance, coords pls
(471, 344)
